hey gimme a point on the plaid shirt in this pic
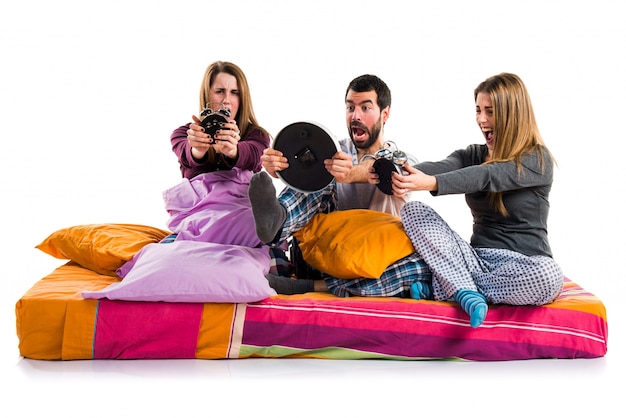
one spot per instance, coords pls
(301, 207)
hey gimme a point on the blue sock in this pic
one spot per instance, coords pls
(474, 303)
(422, 290)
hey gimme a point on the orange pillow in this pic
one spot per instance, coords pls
(102, 248)
(354, 243)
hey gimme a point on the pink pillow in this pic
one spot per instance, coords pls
(191, 271)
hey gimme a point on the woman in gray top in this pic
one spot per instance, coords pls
(506, 183)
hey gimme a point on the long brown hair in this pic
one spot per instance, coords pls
(246, 120)
(515, 128)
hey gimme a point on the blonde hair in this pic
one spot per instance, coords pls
(246, 120)
(515, 128)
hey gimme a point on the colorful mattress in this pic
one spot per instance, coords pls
(55, 322)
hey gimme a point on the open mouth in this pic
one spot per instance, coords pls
(358, 132)
(488, 135)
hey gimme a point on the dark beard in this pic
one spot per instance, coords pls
(372, 135)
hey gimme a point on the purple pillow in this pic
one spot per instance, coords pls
(191, 271)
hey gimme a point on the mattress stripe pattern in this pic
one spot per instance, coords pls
(375, 328)
(54, 322)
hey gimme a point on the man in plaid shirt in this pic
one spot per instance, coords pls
(368, 103)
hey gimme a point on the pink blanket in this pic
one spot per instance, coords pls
(213, 207)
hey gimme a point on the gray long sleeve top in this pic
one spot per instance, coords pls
(525, 196)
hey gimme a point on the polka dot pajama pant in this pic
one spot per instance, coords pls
(502, 276)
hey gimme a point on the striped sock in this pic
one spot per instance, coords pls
(422, 290)
(474, 303)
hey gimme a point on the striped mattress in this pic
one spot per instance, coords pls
(54, 322)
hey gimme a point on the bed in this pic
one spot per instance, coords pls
(55, 321)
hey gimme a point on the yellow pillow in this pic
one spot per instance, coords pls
(354, 243)
(102, 248)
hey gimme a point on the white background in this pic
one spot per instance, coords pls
(91, 91)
